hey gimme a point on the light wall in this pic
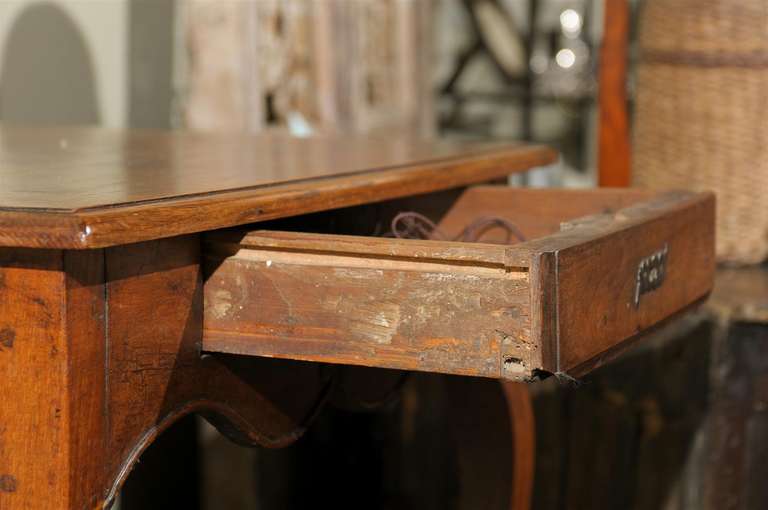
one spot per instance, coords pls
(106, 62)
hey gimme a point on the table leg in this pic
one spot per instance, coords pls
(99, 354)
(523, 431)
(51, 410)
(493, 427)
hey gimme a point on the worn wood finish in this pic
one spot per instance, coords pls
(89, 188)
(108, 326)
(419, 312)
(484, 256)
(101, 352)
(551, 303)
(51, 416)
(34, 411)
(268, 404)
(595, 265)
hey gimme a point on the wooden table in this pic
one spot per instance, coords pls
(121, 310)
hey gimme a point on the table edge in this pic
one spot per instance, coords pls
(105, 226)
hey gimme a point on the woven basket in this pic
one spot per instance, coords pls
(701, 118)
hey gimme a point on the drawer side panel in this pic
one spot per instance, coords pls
(367, 311)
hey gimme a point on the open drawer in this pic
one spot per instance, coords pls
(599, 267)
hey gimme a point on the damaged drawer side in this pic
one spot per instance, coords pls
(557, 303)
(439, 307)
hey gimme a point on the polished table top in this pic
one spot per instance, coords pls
(92, 187)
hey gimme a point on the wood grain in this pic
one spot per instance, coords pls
(425, 252)
(51, 416)
(327, 303)
(595, 265)
(87, 393)
(552, 303)
(100, 352)
(90, 188)
(155, 373)
(537, 212)
(34, 410)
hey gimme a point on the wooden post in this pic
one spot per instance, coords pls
(613, 138)
(523, 431)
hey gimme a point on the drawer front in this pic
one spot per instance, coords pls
(557, 303)
(616, 277)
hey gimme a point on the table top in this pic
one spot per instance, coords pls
(92, 187)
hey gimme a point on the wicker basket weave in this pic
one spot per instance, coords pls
(701, 118)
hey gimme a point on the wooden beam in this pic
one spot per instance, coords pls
(613, 137)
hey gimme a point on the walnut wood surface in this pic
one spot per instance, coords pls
(591, 274)
(102, 305)
(100, 353)
(551, 303)
(101, 350)
(536, 212)
(33, 414)
(89, 188)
